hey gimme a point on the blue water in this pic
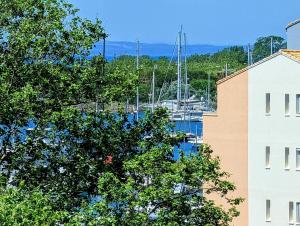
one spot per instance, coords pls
(182, 126)
(187, 127)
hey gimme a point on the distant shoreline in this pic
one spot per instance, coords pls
(116, 49)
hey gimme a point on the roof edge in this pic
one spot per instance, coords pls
(292, 24)
(249, 67)
(287, 53)
(283, 52)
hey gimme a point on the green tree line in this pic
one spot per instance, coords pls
(200, 67)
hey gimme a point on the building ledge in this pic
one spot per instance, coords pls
(211, 114)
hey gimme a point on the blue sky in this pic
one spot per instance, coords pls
(219, 22)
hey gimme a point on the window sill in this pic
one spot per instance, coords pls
(269, 114)
(268, 168)
(298, 115)
(287, 169)
(287, 115)
(299, 171)
(268, 221)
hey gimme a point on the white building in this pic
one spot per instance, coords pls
(273, 141)
(293, 35)
(256, 133)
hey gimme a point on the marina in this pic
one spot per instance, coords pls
(186, 110)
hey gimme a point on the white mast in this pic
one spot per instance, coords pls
(249, 55)
(103, 73)
(137, 88)
(153, 87)
(185, 76)
(186, 72)
(208, 93)
(271, 45)
(179, 71)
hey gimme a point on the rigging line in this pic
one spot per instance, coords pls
(165, 78)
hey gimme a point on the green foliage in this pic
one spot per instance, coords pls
(42, 43)
(262, 47)
(45, 61)
(74, 153)
(67, 158)
(27, 209)
(199, 67)
(157, 190)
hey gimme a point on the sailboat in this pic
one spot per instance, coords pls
(137, 88)
(184, 108)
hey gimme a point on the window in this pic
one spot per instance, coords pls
(287, 158)
(298, 212)
(298, 158)
(268, 157)
(287, 104)
(291, 212)
(268, 100)
(268, 210)
(298, 103)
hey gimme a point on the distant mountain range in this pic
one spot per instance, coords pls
(115, 49)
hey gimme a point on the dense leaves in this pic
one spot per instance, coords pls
(157, 190)
(262, 47)
(68, 157)
(63, 162)
(28, 209)
(45, 61)
(199, 69)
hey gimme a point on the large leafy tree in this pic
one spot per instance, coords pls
(47, 78)
(51, 140)
(45, 51)
(68, 158)
(262, 46)
(157, 190)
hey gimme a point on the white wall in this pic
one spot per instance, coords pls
(293, 37)
(277, 76)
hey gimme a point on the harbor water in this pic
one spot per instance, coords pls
(194, 127)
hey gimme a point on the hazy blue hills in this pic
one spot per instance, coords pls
(115, 49)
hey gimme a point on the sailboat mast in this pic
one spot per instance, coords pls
(137, 88)
(185, 73)
(208, 93)
(271, 47)
(153, 88)
(249, 55)
(179, 70)
(138, 55)
(103, 73)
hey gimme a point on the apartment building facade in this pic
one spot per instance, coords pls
(256, 133)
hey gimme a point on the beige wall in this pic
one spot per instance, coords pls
(227, 133)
